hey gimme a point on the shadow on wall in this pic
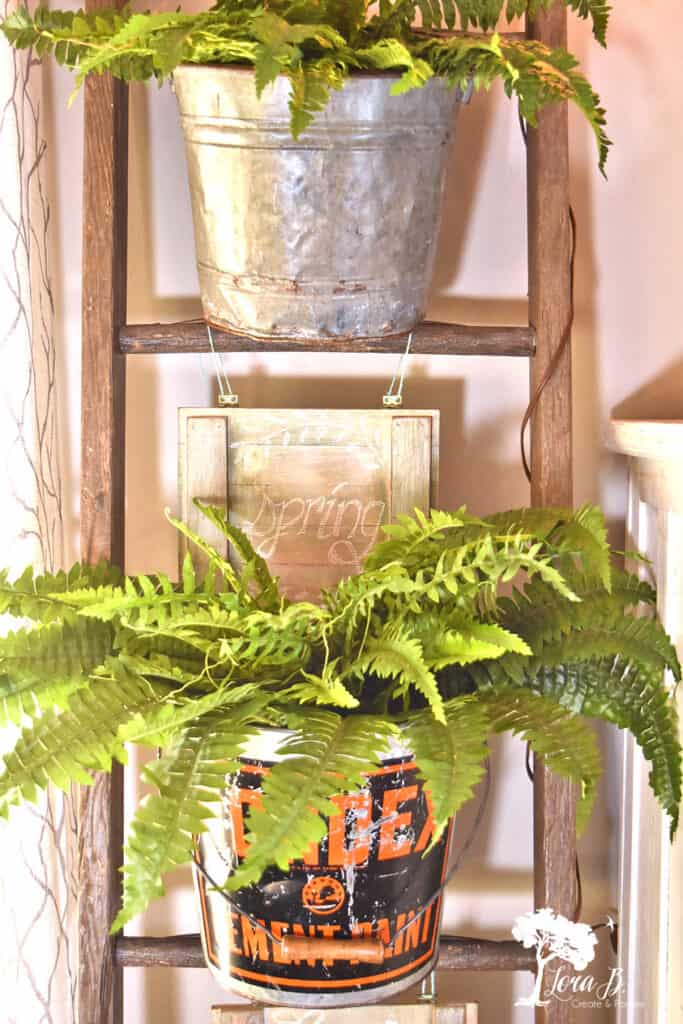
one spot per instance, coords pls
(660, 398)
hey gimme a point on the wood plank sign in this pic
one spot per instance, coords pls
(391, 1013)
(310, 487)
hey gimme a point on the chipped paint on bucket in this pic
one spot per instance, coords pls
(369, 878)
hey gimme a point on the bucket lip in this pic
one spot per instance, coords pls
(248, 69)
(265, 744)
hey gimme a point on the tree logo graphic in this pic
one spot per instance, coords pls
(555, 938)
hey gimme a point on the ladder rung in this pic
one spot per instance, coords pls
(429, 339)
(455, 953)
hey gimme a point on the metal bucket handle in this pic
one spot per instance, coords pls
(365, 950)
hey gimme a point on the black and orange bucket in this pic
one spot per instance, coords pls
(355, 922)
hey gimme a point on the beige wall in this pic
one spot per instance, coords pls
(627, 352)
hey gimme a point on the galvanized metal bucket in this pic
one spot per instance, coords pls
(330, 236)
(356, 921)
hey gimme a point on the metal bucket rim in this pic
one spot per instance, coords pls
(355, 74)
(274, 737)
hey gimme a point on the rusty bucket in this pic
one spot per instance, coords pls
(356, 921)
(329, 236)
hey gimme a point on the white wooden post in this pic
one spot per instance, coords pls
(651, 869)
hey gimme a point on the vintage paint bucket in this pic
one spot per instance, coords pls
(356, 922)
(331, 235)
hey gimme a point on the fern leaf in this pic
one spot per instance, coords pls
(630, 695)
(41, 667)
(328, 755)
(158, 727)
(49, 597)
(326, 688)
(541, 615)
(456, 639)
(189, 782)
(216, 561)
(256, 565)
(396, 655)
(450, 756)
(65, 746)
(566, 743)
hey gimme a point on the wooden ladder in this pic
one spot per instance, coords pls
(108, 340)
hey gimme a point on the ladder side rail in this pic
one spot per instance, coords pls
(103, 386)
(549, 242)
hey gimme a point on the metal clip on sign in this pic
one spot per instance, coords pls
(226, 396)
(393, 399)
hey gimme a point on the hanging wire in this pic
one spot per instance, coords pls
(226, 396)
(565, 337)
(394, 399)
(576, 913)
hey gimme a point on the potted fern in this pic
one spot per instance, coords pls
(316, 138)
(304, 745)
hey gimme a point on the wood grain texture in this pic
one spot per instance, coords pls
(383, 1013)
(411, 469)
(363, 950)
(429, 339)
(551, 449)
(100, 838)
(237, 1014)
(206, 477)
(390, 1013)
(455, 953)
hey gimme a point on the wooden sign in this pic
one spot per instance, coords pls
(390, 1013)
(310, 487)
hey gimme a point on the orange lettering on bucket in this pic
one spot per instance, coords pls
(254, 940)
(356, 853)
(427, 916)
(428, 830)
(389, 848)
(249, 797)
(410, 938)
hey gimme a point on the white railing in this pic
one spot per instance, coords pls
(651, 869)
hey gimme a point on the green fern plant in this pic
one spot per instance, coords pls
(318, 43)
(457, 628)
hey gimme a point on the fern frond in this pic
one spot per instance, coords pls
(217, 563)
(48, 597)
(408, 533)
(326, 688)
(65, 746)
(43, 666)
(189, 779)
(567, 745)
(158, 726)
(541, 615)
(395, 654)
(327, 755)
(630, 695)
(639, 639)
(459, 639)
(253, 565)
(450, 755)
